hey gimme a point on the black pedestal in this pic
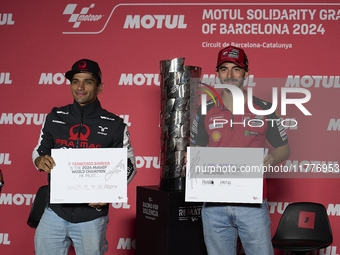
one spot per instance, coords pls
(166, 224)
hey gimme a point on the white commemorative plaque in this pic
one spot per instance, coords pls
(89, 175)
(231, 175)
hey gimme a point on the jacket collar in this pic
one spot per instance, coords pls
(88, 109)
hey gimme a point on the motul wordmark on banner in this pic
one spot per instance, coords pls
(157, 21)
(6, 19)
(5, 78)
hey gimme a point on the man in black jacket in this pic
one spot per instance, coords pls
(83, 124)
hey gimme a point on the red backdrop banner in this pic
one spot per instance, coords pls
(289, 45)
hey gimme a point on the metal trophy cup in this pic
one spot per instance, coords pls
(175, 80)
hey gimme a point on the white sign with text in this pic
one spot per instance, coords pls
(224, 175)
(89, 175)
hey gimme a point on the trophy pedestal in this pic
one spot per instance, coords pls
(172, 184)
(166, 224)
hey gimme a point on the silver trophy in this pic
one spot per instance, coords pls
(176, 79)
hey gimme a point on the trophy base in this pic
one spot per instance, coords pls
(166, 224)
(172, 184)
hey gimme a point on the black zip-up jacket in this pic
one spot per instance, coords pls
(89, 126)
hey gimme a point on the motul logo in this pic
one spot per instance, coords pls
(4, 159)
(51, 78)
(6, 19)
(4, 239)
(126, 244)
(5, 79)
(316, 81)
(334, 125)
(147, 162)
(22, 118)
(150, 21)
(16, 199)
(139, 79)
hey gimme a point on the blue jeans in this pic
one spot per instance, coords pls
(223, 223)
(54, 235)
